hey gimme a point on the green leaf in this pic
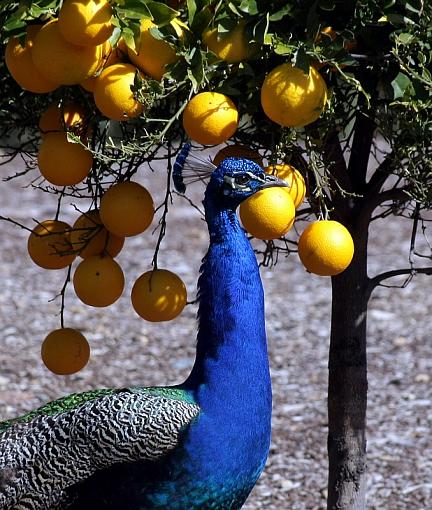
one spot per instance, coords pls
(426, 75)
(281, 13)
(192, 8)
(234, 9)
(162, 14)
(421, 58)
(281, 48)
(195, 71)
(302, 60)
(201, 20)
(135, 9)
(414, 6)
(226, 24)
(130, 33)
(400, 85)
(249, 7)
(399, 19)
(327, 5)
(260, 30)
(404, 38)
(13, 27)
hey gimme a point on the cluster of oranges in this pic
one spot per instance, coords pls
(97, 237)
(325, 247)
(290, 98)
(77, 48)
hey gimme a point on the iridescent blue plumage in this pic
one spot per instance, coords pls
(221, 425)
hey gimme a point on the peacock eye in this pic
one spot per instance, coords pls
(242, 179)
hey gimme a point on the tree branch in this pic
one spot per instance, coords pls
(371, 203)
(364, 129)
(410, 272)
(334, 158)
(379, 177)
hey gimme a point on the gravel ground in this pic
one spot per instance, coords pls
(129, 351)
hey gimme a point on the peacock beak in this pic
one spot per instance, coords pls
(271, 181)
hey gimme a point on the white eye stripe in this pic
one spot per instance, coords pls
(231, 181)
(256, 177)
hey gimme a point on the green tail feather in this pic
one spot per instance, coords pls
(57, 406)
(73, 401)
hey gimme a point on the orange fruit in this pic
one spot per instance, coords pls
(127, 209)
(85, 22)
(89, 83)
(98, 280)
(56, 117)
(152, 55)
(63, 163)
(328, 32)
(49, 245)
(61, 61)
(65, 351)
(89, 237)
(268, 214)
(237, 151)
(292, 98)
(20, 64)
(113, 95)
(232, 46)
(158, 295)
(210, 118)
(326, 247)
(295, 180)
(111, 55)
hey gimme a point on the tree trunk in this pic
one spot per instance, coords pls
(347, 391)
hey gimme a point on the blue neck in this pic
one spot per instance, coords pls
(230, 379)
(231, 333)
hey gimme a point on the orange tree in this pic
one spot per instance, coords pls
(358, 76)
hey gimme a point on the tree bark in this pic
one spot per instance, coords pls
(347, 390)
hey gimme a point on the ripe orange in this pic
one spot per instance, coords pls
(152, 55)
(89, 237)
(210, 118)
(295, 180)
(98, 281)
(85, 22)
(232, 46)
(158, 295)
(49, 245)
(328, 32)
(326, 248)
(268, 214)
(113, 95)
(111, 55)
(63, 163)
(237, 151)
(292, 98)
(65, 351)
(61, 61)
(56, 117)
(20, 64)
(127, 209)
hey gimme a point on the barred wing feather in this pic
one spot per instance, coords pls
(41, 458)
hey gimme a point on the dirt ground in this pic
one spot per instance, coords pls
(129, 351)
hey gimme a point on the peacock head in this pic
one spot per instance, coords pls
(236, 179)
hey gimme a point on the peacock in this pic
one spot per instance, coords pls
(201, 444)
